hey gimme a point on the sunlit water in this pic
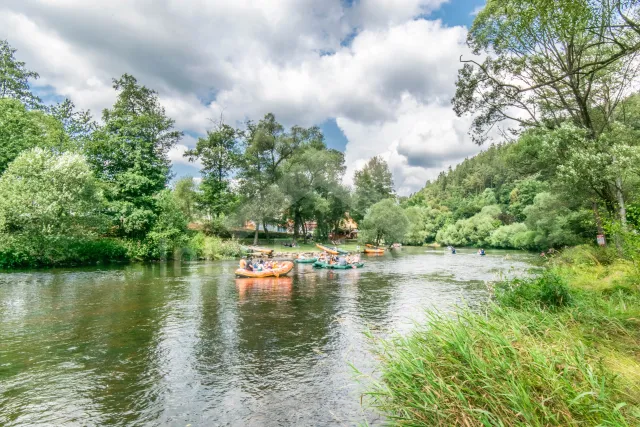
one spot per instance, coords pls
(190, 344)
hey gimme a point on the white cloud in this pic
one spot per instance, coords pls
(388, 88)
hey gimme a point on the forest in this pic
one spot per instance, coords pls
(75, 190)
(561, 166)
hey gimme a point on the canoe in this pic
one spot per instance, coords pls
(373, 251)
(337, 266)
(305, 260)
(284, 269)
(326, 249)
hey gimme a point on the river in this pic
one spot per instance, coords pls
(188, 344)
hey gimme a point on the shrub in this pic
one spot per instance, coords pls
(548, 291)
(213, 248)
(50, 251)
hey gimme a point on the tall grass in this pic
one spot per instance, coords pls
(544, 354)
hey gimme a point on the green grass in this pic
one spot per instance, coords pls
(545, 353)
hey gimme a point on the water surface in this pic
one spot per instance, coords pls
(171, 344)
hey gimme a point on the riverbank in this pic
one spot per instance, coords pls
(561, 349)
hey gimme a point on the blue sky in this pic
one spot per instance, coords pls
(375, 75)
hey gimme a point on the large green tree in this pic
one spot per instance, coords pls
(219, 153)
(546, 62)
(372, 183)
(45, 194)
(267, 147)
(312, 181)
(14, 77)
(22, 129)
(385, 222)
(129, 152)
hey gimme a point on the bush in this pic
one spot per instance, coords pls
(548, 291)
(213, 248)
(53, 251)
(588, 255)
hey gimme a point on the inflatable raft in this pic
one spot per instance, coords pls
(373, 251)
(284, 268)
(337, 266)
(327, 249)
(305, 260)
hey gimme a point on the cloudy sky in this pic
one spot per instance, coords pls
(376, 75)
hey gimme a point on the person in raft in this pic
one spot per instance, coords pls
(481, 252)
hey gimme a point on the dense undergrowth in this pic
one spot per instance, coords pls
(558, 349)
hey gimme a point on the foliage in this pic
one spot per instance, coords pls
(549, 291)
(373, 183)
(24, 251)
(531, 359)
(130, 153)
(220, 154)
(14, 77)
(42, 193)
(472, 231)
(385, 221)
(213, 248)
(22, 129)
(186, 195)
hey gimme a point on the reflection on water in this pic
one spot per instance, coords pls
(184, 344)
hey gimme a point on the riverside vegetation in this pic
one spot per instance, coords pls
(558, 78)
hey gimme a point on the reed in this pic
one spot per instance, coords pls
(543, 354)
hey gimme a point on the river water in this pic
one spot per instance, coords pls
(189, 344)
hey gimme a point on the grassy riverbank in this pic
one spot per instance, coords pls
(560, 349)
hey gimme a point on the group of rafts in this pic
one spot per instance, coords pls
(331, 258)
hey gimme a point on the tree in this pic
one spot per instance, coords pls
(267, 149)
(48, 194)
(186, 196)
(78, 124)
(220, 154)
(373, 183)
(384, 221)
(129, 152)
(22, 129)
(548, 62)
(14, 77)
(311, 180)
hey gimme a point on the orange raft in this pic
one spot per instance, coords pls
(373, 251)
(326, 249)
(284, 268)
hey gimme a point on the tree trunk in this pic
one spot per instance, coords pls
(296, 225)
(255, 236)
(266, 232)
(596, 216)
(621, 206)
(304, 231)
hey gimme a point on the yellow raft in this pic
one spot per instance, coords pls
(284, 268)
(326, 249)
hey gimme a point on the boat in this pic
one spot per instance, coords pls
(319, 264)
(261, 250)
(342, 251)
(376, 251)
(305, 260)
(282, 270)
(327, 249)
